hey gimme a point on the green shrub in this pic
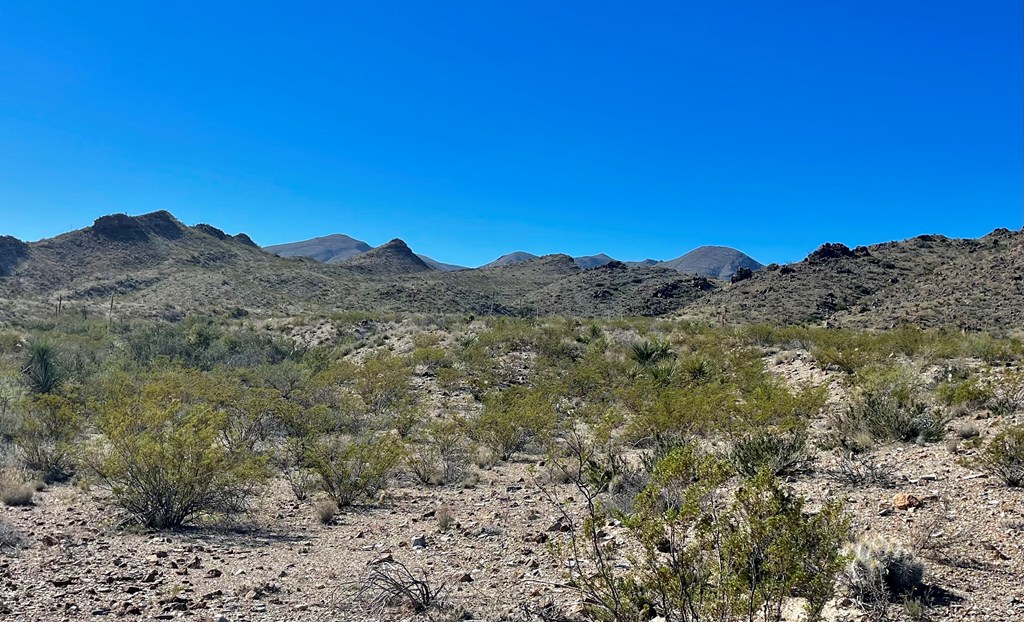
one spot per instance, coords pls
(352, 470)
(384, 382)
(166, 465)
(46, 433)
(970, 392)
(513, 418)
(1003, 457)
(705, 559)
(439, 453)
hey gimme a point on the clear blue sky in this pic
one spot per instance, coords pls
(471, 129)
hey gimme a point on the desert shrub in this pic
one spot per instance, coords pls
(845, 358)
(887, 409)
(355, 469)
(1007, 393)
(704, 557)
(439, 452)
(662, 414)
(969, 392)
(770, 402)
(513, 418)
(391, 584)
(1003, 457)
(15, 488)
(165, 462)
(200, 343)
(46, 433)
(43, 370)
(384, 383)
(325, 511)
(879, 572)
(851, 471)
(778, 451)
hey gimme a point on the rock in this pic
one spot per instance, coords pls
(213, 573)
(419, 542)
(466, 578)
(905, 501)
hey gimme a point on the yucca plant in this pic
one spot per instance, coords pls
(43, 372)
(651, 352)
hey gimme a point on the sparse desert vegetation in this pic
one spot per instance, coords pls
(504, 468)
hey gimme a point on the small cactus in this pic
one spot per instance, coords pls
(879, 570)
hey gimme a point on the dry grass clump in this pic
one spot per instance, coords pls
(15, 488)
(325, 511)
(445, 519)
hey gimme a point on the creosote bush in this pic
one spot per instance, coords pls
(355, 469)
(47, 432)
(512, 418)
(704, 553)
(1003, 457)
(166, 464)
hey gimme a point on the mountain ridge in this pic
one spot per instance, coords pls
(155, 266)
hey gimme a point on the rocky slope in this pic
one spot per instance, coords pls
(929, 280)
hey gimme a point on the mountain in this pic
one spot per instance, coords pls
(593, 261)
(437, 265)
(509, 259)
(718, 262)
(329, 248)
(645, 262)
(392, 258)
(154, 266)
(928, 281)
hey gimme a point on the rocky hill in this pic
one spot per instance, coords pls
(717, 262)
(391, 259)
(929, 280)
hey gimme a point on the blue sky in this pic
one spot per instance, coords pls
(471, 129)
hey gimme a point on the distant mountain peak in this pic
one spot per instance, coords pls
(329, 248)
(510, 258)
(593, 261)
(720, 262)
